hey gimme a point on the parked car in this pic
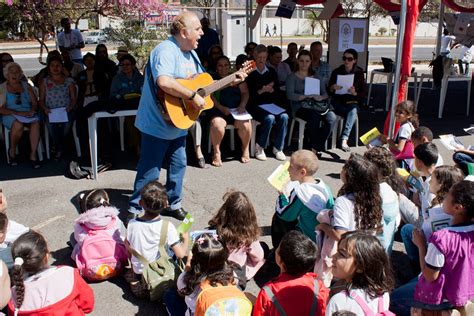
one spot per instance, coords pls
(95, 37)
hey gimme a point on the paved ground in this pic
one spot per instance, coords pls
(46, 200)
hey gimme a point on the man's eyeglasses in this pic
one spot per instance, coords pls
(17, 98)
(344, 58)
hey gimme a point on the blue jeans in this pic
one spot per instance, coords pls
(349, 113)
(267, 121)
(462, 159)
(174, 303)
(153, 153)
(412, 250)
(402, 299)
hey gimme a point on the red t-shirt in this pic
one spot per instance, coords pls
(294, 293)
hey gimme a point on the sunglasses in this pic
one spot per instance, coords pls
(344, 58)
(7, 60)
(17, 98)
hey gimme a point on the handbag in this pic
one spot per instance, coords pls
(320, 107)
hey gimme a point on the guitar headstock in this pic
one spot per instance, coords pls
(248, 66)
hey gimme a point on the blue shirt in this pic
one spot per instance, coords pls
(166, 59)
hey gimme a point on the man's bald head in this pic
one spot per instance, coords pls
(182, 21)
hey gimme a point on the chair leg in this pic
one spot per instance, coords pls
(252, 139)
(232, 138)
(209, 145)
(76, 140)
(121, 127)
(39, 150)
(292, 125)
(370, 87)
(7, 143)
(46, 140)
(356, 135)
(301, 134)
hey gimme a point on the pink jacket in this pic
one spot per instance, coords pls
(103, 217)
(251, 257)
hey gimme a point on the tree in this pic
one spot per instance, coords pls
(313, 22)
(382, 31)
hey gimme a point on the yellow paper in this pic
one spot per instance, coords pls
(280, 176)
(370, 137)
(403, 173)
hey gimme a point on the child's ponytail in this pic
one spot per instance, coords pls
(29, 252)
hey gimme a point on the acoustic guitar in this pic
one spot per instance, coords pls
(181, 111)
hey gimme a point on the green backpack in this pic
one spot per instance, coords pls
(162, 273)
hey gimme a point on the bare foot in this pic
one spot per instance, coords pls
(244, 159)
(216, 160)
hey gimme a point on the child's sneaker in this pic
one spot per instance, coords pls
(260, 153)
(279, 155)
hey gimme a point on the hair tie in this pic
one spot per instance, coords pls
(18, 261)
(200, 240)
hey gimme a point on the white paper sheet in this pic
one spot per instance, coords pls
(245, 116)
(312, 86)
(345, 81)
(272, 108)
(58, 115)
(26, 120)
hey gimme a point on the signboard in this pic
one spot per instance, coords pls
(351, 34)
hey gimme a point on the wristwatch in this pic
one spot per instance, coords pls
(192, 95)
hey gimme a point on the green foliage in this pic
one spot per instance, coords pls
(382, 30)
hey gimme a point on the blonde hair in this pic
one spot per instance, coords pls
(181, 22)
(306, 159)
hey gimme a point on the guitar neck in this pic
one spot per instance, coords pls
(217, 85)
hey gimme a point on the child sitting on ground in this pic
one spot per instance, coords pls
(208, 271)
(426, 156)
(434, 219)
(41, 289)
(9, 232)
(308, 197)
(365, 267)
(423, 135)
(296, 291)
(144, 232)
(390, 185)
(236, 223)
(98, 257)
(401, 146)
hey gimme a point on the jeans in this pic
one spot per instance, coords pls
(153, 153)
(349, 113)
(267, 121)
(402, 299)
(462, 160)
(174, 303)
(318, 135)
(412, 250)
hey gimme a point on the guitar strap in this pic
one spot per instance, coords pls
(197, 61)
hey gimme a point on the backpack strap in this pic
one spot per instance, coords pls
(138, 256)
(314, 305)
(380, 304)
(275, 302)
(362, 303)
(163, 238)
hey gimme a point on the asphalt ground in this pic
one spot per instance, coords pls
(46, 200)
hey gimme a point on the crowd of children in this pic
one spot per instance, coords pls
(332, 254)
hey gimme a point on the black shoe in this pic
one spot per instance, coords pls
(179, 214)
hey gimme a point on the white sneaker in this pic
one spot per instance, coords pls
(279, 155)
(260, 153)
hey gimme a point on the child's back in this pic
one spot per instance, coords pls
(144, 237)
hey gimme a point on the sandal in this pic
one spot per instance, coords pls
(201, 163)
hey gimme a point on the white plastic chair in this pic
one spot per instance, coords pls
(6, 133)
(231, 129)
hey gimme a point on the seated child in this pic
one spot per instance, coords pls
(41, 289)
(364, 266)
(308, 196)
(144, 232)
(434, 219)
(236, 223)
(423, 135)
(386, 165)
(208, 268)
(9, 232)
(96, 214)
(401, 146)
(296, 289)
(426, 156)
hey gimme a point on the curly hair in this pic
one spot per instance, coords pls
(386, 164)
(208, 263)
(446, 176)
(373, 270)
(362, 180)
(236, 221)
(32, 248)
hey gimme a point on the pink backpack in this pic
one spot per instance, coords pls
(100, 256)
(366, 308)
